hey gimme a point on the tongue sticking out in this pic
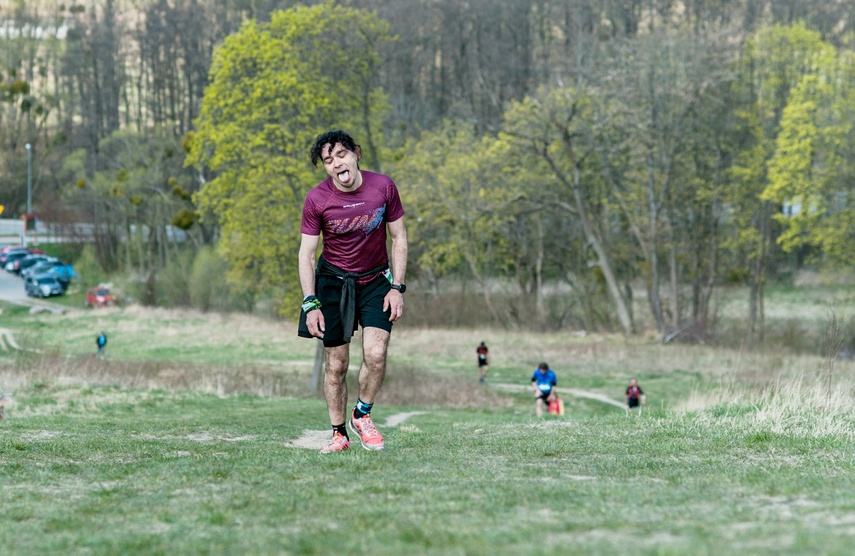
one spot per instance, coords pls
(344, 177)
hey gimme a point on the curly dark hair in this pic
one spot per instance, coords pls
(331, 138)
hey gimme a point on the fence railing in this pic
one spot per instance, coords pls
(13, 231)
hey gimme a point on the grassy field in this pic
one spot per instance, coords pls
(185, 441)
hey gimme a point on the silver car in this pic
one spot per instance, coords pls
(43, 286)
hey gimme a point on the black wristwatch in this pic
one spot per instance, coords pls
(400, 287)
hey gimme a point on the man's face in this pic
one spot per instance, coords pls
(341, 164)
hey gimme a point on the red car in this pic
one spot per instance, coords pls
(99, 297)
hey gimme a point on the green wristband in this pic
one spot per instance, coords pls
(310, 303)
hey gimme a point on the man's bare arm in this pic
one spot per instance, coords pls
(306, 263)
(398, 233)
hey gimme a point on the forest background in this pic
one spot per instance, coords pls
(579, 164)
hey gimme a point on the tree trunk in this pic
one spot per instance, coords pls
(317, 367)
(602, 256)
(538, 273)
(653, 233)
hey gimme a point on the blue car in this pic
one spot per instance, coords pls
(63, 273)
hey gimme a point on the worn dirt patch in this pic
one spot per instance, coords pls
(312, 440)
(315, 440)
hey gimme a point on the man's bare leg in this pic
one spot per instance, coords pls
(375, 341)
(336, 360)
(375, 344)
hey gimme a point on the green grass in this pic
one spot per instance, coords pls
(155, 472)
(166, 448)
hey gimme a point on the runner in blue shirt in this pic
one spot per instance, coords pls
(543, 381)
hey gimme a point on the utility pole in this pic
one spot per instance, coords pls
(29, 179)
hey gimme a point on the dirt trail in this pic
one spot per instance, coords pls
(315, 440)
(571, 391)
(7, 341)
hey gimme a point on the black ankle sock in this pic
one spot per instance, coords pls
(341, 429)
(361, 409)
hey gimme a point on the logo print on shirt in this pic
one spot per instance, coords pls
(365, 223)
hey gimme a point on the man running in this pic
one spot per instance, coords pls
(101, 342)
(351, 283)
(483, 363)
(634, 395)
(543, 380)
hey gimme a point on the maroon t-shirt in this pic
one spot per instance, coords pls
(353, 224)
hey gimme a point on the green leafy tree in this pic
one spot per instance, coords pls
(466, 197)
(811, 171)
(774, 63)
(208, 287)
(274, 87)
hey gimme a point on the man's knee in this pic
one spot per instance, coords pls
(375, 356)
(375, 344)
(336, 361)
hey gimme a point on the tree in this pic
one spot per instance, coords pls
(27, 50)
(132, 200)
(555, 125)
(95, 65)
(467, 200)
(811, 170)
(774, 62)
(274, 87)
(650, 104)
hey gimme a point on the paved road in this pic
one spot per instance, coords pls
(12, 290)
(12, 287)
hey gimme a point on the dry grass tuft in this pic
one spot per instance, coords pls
(52, 369)
(794, 406)
(405, 387)
(416, 387)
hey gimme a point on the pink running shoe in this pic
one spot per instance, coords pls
(339, 443)
(368, 433)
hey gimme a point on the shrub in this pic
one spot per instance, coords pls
(208, 287)
(90, 273)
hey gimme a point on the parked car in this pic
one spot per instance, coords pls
(99, 297)
(15, 251)
(9, 250)
(63, 273)
(12, 257)
(43, 286)
(41, 267)
(6, 248)
(28, 261)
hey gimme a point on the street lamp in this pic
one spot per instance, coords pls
(29, 179)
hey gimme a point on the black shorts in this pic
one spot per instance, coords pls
(632, 402)
(482, 361)
(369, 308)
(545, 396)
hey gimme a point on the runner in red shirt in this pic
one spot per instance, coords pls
(483, 362)
(634, 395)
(351, 284)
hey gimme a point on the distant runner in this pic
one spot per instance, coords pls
(483, 362)
(543, 380)
(101, 343)
(634, 395)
